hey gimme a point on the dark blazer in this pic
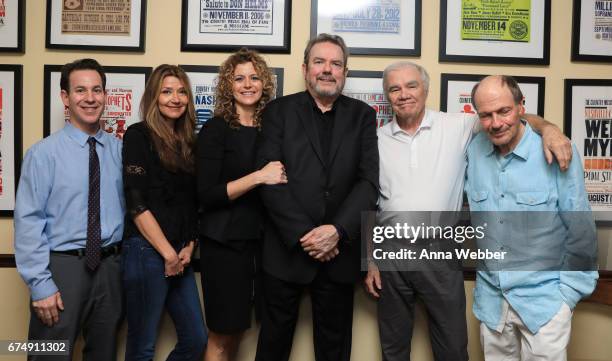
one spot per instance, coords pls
(225, 154)
(319, 191)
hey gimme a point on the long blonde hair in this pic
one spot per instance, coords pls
(175, 147)
(224, 95)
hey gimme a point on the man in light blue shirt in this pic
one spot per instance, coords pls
(69, 222)
(540, 217)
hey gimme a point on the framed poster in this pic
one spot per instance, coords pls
(456, 93)
(588, 123)
(203, 84)
(12, 26)
(228, 25)
(504, 32)
(10, 135)
(117, 25)
(371, 27)
(592, 31)
(367, 87)
(124, 89)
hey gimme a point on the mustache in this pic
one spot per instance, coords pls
(496, 131)
(326, 78)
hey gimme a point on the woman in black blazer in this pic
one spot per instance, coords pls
(231, 223)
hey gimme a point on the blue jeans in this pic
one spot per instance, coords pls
(147, 291)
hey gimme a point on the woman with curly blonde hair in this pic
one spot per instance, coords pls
(231, 224)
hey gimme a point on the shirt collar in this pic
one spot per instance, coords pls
(314, 105)
(81, 137)
(425, 124)
(522, 148)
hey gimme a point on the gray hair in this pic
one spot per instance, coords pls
(507, 80)
(326, 38)
(405, 64)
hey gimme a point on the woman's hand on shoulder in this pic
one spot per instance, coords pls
(272, 173)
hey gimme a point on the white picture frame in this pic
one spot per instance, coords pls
(92, 37)
(228, 25)
(10, 135)
(371, 27)
(124, 90)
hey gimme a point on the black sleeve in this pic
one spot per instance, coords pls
(364, 193)
(284, 211)
(212, 190)
(136, 169)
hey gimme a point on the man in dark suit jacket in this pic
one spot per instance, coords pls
(328, 145)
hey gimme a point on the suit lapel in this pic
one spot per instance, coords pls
(341, 121)
(305, 113)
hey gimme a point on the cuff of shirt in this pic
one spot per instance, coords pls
(341, 233)
(43, 290)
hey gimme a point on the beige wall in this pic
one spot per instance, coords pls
(590, 340)
(592, 323)
(163, 46)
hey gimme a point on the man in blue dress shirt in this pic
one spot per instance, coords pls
(540, 217)
(69, 222)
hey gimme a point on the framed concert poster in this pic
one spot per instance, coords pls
(367, 87)
(371, 27)
(588, 123)
(203, 85)
(456, 93)
(10, 135)
(592, 31)
(124, 89)
(228, 25)
(12, 26)
(117, 25)
(504, 32)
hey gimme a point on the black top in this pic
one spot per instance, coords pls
(225, 154)
(170, 196)
(325, 126)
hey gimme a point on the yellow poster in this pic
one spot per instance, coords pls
(501, 20)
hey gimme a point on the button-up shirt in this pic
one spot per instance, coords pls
(424, 171)
(51, 204)
(523, 181)
(325, 124)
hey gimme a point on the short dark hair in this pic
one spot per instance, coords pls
(80, 64)
(326, 38)
(507, 80)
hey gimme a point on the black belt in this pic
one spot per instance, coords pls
(104, 252)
